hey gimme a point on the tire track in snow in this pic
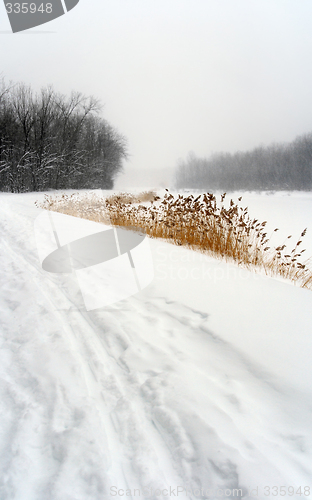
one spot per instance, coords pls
(80, 334)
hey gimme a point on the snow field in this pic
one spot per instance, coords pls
(200, 381)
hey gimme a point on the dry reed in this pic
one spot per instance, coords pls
(199, 223)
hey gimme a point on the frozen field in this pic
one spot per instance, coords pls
(199, 386)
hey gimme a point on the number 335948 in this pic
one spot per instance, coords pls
(24, 8)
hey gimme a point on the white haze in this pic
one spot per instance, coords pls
(178, 75)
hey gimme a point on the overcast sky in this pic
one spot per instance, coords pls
(178, 75)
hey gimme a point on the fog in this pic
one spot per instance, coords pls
(177, 75)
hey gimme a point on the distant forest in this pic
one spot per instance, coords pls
(275, 167)
(49, 141)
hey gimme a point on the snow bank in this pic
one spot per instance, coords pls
(199, 386)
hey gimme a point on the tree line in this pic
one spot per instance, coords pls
(50, 141)
(274, 167)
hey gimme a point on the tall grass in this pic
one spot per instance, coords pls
(200, 223)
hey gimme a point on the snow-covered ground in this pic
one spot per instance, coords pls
(199, 386)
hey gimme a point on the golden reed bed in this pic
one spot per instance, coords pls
(200, 223)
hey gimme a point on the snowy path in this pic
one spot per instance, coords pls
(159, 391)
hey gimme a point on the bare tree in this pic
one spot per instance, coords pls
(278, 166)
(48, 140)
